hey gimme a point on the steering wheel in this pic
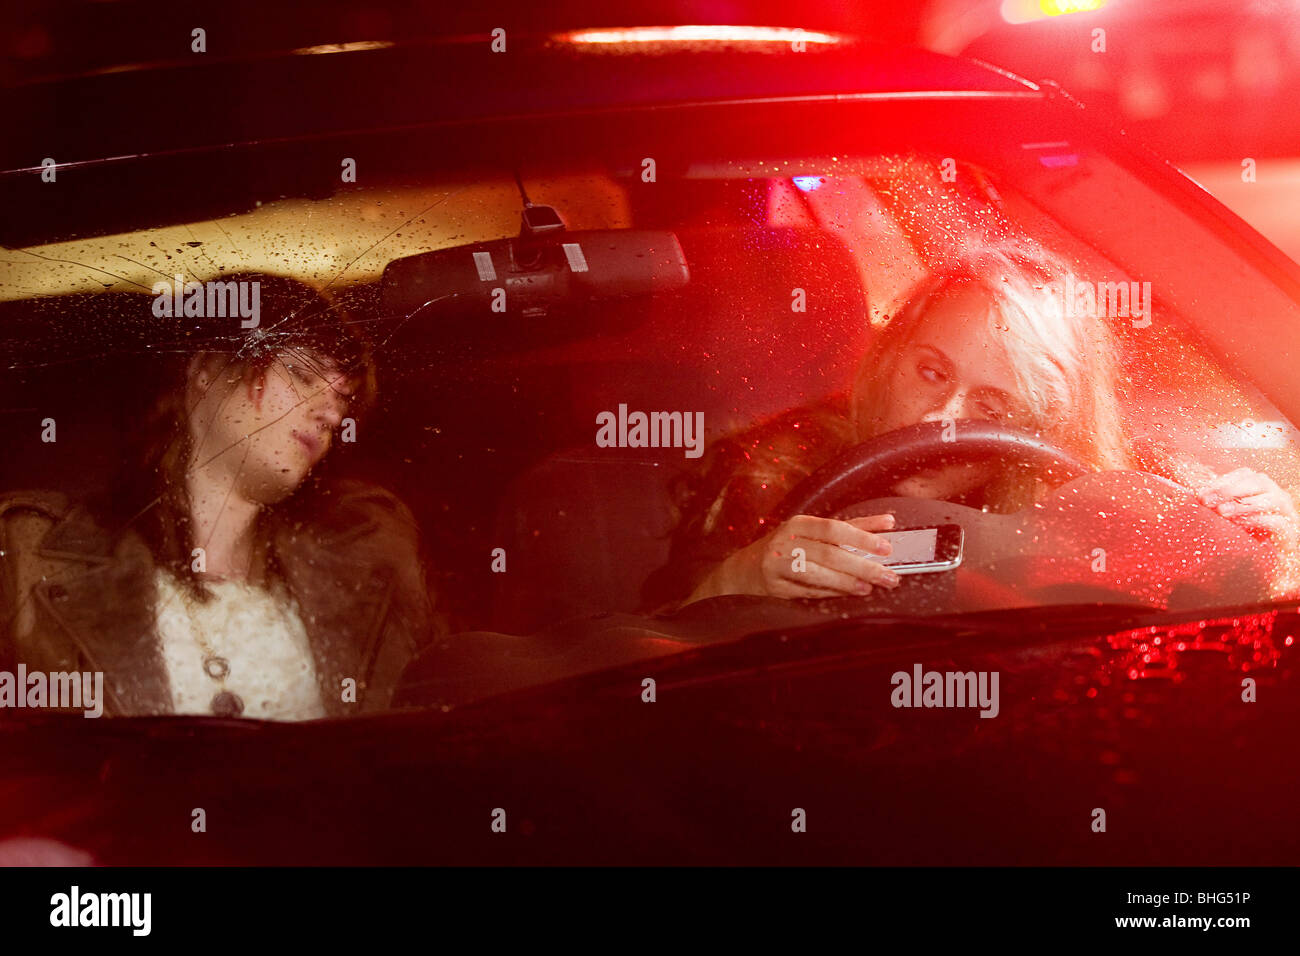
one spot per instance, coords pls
(872, 467)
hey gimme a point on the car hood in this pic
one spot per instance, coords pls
(1100, 708)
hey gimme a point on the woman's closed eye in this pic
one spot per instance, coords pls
(931, 372)
(344, 387)
(935, 374)
(318, 380)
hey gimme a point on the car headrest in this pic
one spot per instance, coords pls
(771, 319)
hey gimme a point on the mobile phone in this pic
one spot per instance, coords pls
(920, 550)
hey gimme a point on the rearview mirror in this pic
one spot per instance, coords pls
(541, 270)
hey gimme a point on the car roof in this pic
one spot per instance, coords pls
(205, 102)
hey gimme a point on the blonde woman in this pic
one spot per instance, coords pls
(987, 340)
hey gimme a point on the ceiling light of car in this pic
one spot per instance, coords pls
(1026, 11)
(697, 34)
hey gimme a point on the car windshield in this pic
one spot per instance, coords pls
(913, 368)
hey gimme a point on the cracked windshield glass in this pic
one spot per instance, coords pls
(274, 463)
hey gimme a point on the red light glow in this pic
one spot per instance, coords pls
(1246, 643)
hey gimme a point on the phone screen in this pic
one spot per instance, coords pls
(915, 546)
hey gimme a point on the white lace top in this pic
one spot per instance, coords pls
(260, 635)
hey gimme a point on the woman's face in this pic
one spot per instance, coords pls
(265, 431)
(953, 368)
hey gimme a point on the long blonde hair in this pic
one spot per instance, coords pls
(1065, 363)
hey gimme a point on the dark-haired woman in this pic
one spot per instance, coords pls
(220, 576)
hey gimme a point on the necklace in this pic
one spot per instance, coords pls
(225, 702)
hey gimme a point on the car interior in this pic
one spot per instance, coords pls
(485, 421)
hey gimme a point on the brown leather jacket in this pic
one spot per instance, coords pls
(74, 599)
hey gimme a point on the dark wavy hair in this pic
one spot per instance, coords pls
(150, 494)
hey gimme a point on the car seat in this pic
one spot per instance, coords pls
(584, 527)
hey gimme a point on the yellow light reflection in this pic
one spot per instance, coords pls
(1026, 11)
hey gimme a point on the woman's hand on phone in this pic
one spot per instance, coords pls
(806, 557)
